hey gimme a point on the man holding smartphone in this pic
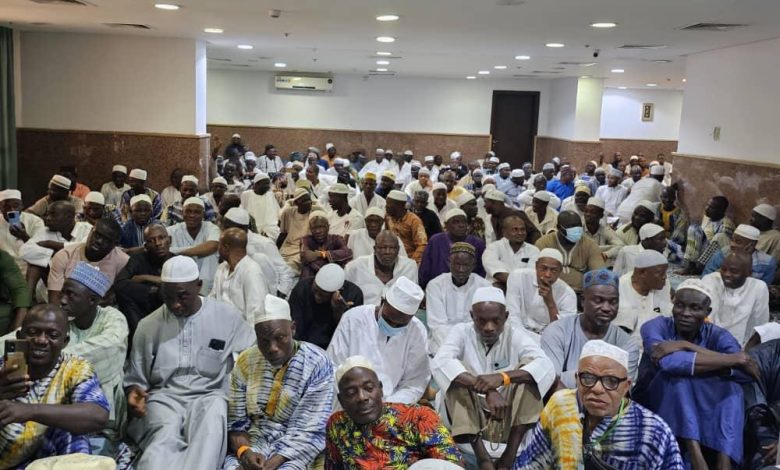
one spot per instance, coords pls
(16, 226)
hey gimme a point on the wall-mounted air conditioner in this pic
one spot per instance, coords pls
(300, 82)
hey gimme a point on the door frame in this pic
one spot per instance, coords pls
(535, 129)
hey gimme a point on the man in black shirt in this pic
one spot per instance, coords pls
(317, 304)
(429, 218)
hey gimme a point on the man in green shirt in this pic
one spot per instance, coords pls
(15, 298)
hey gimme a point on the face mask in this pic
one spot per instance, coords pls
(573, 234)
(388, 330)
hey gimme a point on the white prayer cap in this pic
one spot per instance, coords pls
(236, 136)
(615, 172)
(649, 230)
(219, 180)
(551, 253)
(548, 166)
(374, 211)
(190, 178)
(657, 170)
(96, 197)
(119, 168)
(238, 215)
(140, 198)
(491, 153)
(350, 363)
(504, 165)
(654, 162)
(74, 462)
(596, 201)
(425, 171)
(454, 155)
(543, 196)
(747, 231)
(454, 212)
(438, 186)
(494, 159)
(346, 162)
(766, 210)
(299, 193)
(317, 214)
(650, 258)
(194, 201)
(408, 152)
(697, 285)
(405, 296)
(260, 176)
(557, 160)
(338, 188)
(600, 348)
(273, 308)
(633, 157)
(61, 181)
(488, 294)
(389, 174)
(495, 195)
(582, 188)
(599, 170)
(488, 187)
(330, 277)
(517, 174)
(397, 195)
(388, 151)
(338, 161)
(382, 151)
(768, 331)
(179, 269)
(138, 174)
(250, 156)
(329, 146)
(429, 158)
(651, 206)
(434, 464)
(463, 198)
(10, 194)
(296, 164)
(593, 162)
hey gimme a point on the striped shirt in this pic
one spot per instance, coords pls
(283, 410)
(640, 440)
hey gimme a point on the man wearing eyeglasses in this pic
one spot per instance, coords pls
(596, 426)
(692, 374)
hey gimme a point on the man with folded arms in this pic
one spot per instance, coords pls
(644, 292)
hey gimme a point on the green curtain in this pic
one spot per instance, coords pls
(7, 111)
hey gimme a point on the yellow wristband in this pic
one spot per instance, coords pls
(507, 380)
(241, 451)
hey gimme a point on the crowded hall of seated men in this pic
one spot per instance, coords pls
(290, 288)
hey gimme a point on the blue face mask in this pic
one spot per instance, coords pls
(573, 234)
(388, 330)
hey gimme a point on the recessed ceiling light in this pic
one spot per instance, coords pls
(683, 80)
(662, 61)
(585, 76)
(381, 70)
(280, 65)
(382, 62)
(554, 44)
(522, 57)
(245, 46)
(484, 72)
(499, 67)
(470, 77)
(385, 39)
(387, 18)
(617, 70)
(384, 53)
(213, 30)
(603, 24)
(166, 6)
(651, 84)
(622, 88)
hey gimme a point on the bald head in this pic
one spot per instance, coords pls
(47, 313)
(63, 207)
(234, 238)
(736, 268)
(567, 219)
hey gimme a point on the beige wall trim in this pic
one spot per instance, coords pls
(567, 140)
(734, 160)
(487, 136)
(84, 131)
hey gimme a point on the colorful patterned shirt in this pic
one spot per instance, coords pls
(71, 381)
(640, 440)
(402, 435)
(411, 231)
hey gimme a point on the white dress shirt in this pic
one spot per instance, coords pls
(285, 277)
(244, 288)
(343, 224)
(546, 225)
(401, 361)
(634, 309)
(646, 189)
(612, 197)
(362, 245)
(526, 307)
(265, 210)
(448, 204)
(360, 204)
(37, 255)
(12, 245)
(361, 272)
(626, 259)
(738, 310)
(499, 257)
(375, 168)
(181, 241)
(448, 305)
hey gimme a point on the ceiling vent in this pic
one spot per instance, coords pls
(75, 3)
(645, 47)
(581, 64)
(127, 26)
(546, 71)
(713, 27)
(374, 73)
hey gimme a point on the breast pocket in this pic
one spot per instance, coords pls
(209, 362)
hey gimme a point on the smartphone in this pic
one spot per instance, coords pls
(16, 354)
(14, 218)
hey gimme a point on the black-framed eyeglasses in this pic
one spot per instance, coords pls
(609, 382)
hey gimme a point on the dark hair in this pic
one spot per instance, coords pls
(721, 201)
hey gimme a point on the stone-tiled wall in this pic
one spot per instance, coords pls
(42, 151)
(288, 140)
(579, 153)
(745, 184)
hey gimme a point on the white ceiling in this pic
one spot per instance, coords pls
(435, 38)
